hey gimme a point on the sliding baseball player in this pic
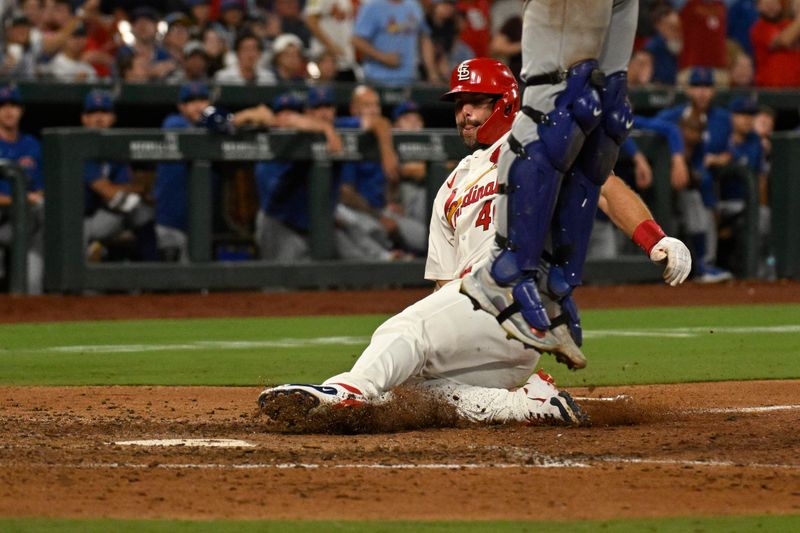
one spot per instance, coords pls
(442, 343)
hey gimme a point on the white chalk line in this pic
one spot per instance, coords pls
(208, 345)
(198, 443)
(533, 462)
(363, 341)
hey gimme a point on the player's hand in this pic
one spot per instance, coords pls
(677, 258)
(679, 172)
(124, 202)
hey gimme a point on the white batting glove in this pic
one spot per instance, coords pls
(677, 258)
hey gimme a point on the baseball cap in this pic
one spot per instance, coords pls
(9, 94)
(98, 100)
(285, 40)
(409, 106)
(193, 91)
(144, 12)
(701, 77)
(194, 47)
(744, 106)
(287, 102)
(231, 4)
(320, 96)
(177, 17)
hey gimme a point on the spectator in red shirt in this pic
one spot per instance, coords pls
(775, 67)
(704, 25)
(477, 31)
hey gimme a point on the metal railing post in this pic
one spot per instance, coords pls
(18, 271)
(200, 211)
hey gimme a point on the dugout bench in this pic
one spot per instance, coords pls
(66, 269)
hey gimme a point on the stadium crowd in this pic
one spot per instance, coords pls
(380, 207)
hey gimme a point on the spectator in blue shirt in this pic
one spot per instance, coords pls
(742, 14)
(24, 150)
(391, 36)
(747, 162)
(170, 189)
(283, 220)
(701, 94)
(365, 184)
(665, 45)
(112, 204)
(697, 204)
(159, 62)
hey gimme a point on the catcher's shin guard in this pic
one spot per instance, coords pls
(535, 176)
(580, 191)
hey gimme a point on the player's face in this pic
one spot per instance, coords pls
(193, 108)
(248, 53)
(701, 97)
(742, 123)
(409, 122)
(472, 110)
(98, 119)
(366, 103)
(10, 115)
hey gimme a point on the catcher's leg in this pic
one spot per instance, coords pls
(541, 148)
(560, 108)
(580, 191)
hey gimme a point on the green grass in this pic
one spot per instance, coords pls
(199, 352)
(656, 345)
(728, 524)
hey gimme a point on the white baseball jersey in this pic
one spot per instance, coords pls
(462, 228)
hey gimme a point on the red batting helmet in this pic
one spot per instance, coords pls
(488, 76)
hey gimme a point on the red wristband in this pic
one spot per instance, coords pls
(647, 234)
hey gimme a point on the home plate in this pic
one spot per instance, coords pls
(206, 443)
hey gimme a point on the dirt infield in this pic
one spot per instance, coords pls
(671, 450)
(58, 458)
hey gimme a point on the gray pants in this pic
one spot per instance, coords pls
(173, 241)
(105, 224)
(555, 35)
(35, 246)
(278, 242)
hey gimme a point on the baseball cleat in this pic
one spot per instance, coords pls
(486, 294)
(298, 400)
(547, 403)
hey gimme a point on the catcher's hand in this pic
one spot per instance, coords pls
(677, 258)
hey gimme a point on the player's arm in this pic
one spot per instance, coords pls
(304, 123)
(258, 116)
(363, 47)
(312, 21)
(381, 128)
(629, 213)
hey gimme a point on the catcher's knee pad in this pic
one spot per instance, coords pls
(577, 203)
(535, 176)
(599, 153)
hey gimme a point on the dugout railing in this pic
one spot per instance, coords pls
(66, 269)
(17, 214)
